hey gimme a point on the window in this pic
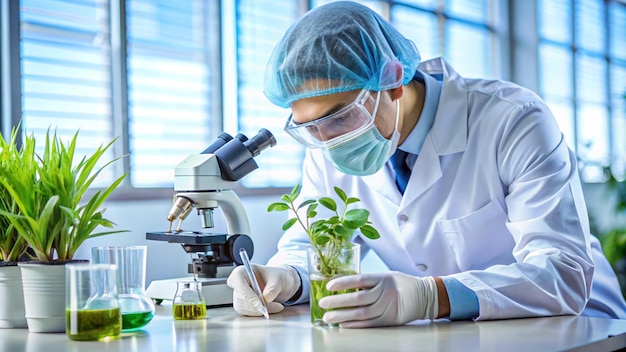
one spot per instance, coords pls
(173, 85)
(461, 31)
(582, 64)
(168, 77)
(159, 74)
(450, 29)
(65, 59)
(260, 25)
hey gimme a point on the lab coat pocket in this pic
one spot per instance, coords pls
(480, 239)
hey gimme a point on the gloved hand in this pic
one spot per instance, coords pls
(383, 299)
(278, 284)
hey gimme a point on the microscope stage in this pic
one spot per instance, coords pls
(187, 237)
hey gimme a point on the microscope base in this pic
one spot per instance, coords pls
(216, 292)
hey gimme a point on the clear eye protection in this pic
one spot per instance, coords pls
(340, 125)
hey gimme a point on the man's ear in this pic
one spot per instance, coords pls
(394, 71)
(391, 74)
(396, 93)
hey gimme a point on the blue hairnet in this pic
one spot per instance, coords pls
(338, 47)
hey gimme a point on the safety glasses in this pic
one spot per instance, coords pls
(338, 126)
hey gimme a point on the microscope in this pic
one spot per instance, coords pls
(204, 181)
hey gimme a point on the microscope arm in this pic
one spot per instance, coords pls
(236, 218)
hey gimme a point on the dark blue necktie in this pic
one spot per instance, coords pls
(398, 161)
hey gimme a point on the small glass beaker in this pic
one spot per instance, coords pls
(137, 308)
(92, 310)
(189, 303)
(326, 263)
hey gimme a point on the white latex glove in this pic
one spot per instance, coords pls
(278, 284)
(383, 299)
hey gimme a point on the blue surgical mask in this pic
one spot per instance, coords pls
(366, 153)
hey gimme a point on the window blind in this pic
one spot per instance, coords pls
(582, 78)
(260, 25)
(170, 96)
(65, 57)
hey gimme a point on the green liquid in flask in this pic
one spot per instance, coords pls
(132, 321)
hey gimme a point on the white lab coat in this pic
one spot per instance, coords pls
(494, 200)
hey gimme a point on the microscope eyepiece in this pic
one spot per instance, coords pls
(222, 139)
(242, 137)
(235, 158)
(260, 142)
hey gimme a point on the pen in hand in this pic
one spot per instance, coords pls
(253, 281)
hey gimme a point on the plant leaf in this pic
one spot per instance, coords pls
(342, 195)
(344, 232)
(353, 224)
(305, 203)
(278, 206)
(329, 203)
(322, 239)
(310, 212)
(289, 223)
(357, 215)
(352, 200)
(295, 192)
(370, 232)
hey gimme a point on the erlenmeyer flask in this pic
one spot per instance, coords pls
(188, 301)
(136, 307)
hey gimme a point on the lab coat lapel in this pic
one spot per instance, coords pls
(448, 134)
(449, 130)
(426, 171)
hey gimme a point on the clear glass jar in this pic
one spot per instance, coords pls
(136, 307)
(189, 303)
(92, 309)
(326, 263)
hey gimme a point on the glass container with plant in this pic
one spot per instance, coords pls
(331, 253)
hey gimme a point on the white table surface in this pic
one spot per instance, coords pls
(291, 330)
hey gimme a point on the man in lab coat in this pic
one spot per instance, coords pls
(492, 223)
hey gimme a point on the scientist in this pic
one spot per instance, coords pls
(492, 223)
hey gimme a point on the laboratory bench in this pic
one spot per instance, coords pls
(291, 330)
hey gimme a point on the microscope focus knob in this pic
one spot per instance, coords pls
(235, 243)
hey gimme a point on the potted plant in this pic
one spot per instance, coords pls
(614, 240)
(12, 246)
(331, 253)
(54, 216)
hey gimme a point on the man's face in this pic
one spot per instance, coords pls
(347, 116)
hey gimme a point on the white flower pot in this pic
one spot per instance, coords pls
(44, 296)
(11, 298)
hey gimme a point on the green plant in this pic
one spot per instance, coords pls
(614, 241)
(328, 233)
(14, 160)
(614, 245)
(52, 214)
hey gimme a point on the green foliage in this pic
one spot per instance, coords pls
(18, 162)
(330, 233)
(614, 241)
(614, 245)
(51, 214)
